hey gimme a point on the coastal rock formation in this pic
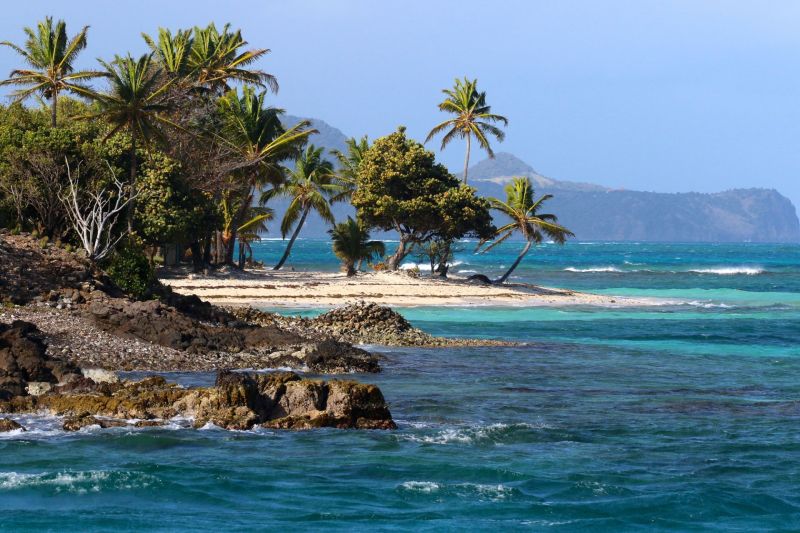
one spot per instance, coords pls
(88, 320)
(360, 323)
(6, 425)
(24, 360)
(281, 400)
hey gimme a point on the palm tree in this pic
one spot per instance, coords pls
(351, 244)
(523, 211)
(473, 117)
(253, 132)
(172, 51)
(348, 165)
(310, 185)
(250, 231)
(132, 103)
(51, 56)
(215, 60)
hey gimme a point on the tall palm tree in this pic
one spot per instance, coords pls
(51, 56)
(215, 60)
(351, 244)
(253, 132)
(348, 165)
(133, 104)
(172, 52)
(310, 185)
(523, 211)
(473, 117)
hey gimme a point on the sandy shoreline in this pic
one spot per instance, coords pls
(327, 289)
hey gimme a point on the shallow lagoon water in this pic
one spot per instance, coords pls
(682, 416)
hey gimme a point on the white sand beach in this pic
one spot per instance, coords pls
(327, 289)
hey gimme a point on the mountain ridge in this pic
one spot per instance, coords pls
(596, 212)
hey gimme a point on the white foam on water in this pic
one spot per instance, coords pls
(78, 482)
(730, 271)
(593, 269)
(471, 435)
(420, 486)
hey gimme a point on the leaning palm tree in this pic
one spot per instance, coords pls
(473, 117)
(51, 56)
(351, 244)
(523, 211)
(348, 165)
(310, 185)
(258, 142)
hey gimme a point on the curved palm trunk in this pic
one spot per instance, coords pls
(291, 241)
(516, 263)
(54, 109)
(466, 158)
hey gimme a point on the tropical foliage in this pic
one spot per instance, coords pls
(50, 56)
(401, 187)
(310, 186)
(523, 210)
(473, 118)
(184, 139)
(351, 244)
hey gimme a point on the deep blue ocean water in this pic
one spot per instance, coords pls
(683, 416)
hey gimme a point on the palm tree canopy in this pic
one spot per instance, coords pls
(51, 56)
(350, 241)
(348, 165)
(310, 185)
(473, 117)
(171, 51)
(255, 133)
(215, 60)
(132, 101)
(523, 211)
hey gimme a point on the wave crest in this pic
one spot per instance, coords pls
(730, 271)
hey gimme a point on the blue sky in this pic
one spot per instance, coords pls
(652, 95)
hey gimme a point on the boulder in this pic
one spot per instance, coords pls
(238, 400)
(6, 425)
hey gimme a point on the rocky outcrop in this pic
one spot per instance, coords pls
(267, 344)
(24, 360)
(280, 400)
(6, 425)
(359, 323)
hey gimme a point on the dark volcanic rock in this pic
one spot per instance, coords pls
(23, 359)
(239, 400)
(6, 425)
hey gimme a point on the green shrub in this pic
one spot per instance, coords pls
(43, 242)
(130, 270)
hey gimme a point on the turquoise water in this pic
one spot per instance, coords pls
(675, 417)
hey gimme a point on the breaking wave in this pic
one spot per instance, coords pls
(80, 482)
(465, 490)
(730, 271)
(593, 269)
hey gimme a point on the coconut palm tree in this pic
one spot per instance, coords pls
(351, 244)
(310, 185)
(51, 56)
(215, 60)
(172, 52)
(348, 165)
(523, 211)
(473, 117)
(133, 102)
(259, 143)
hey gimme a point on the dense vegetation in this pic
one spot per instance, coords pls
(177, 153)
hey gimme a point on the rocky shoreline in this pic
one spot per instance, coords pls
(60, 326)
(33, 382)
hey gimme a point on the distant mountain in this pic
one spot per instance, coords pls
(505, 166)
(595, 212)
